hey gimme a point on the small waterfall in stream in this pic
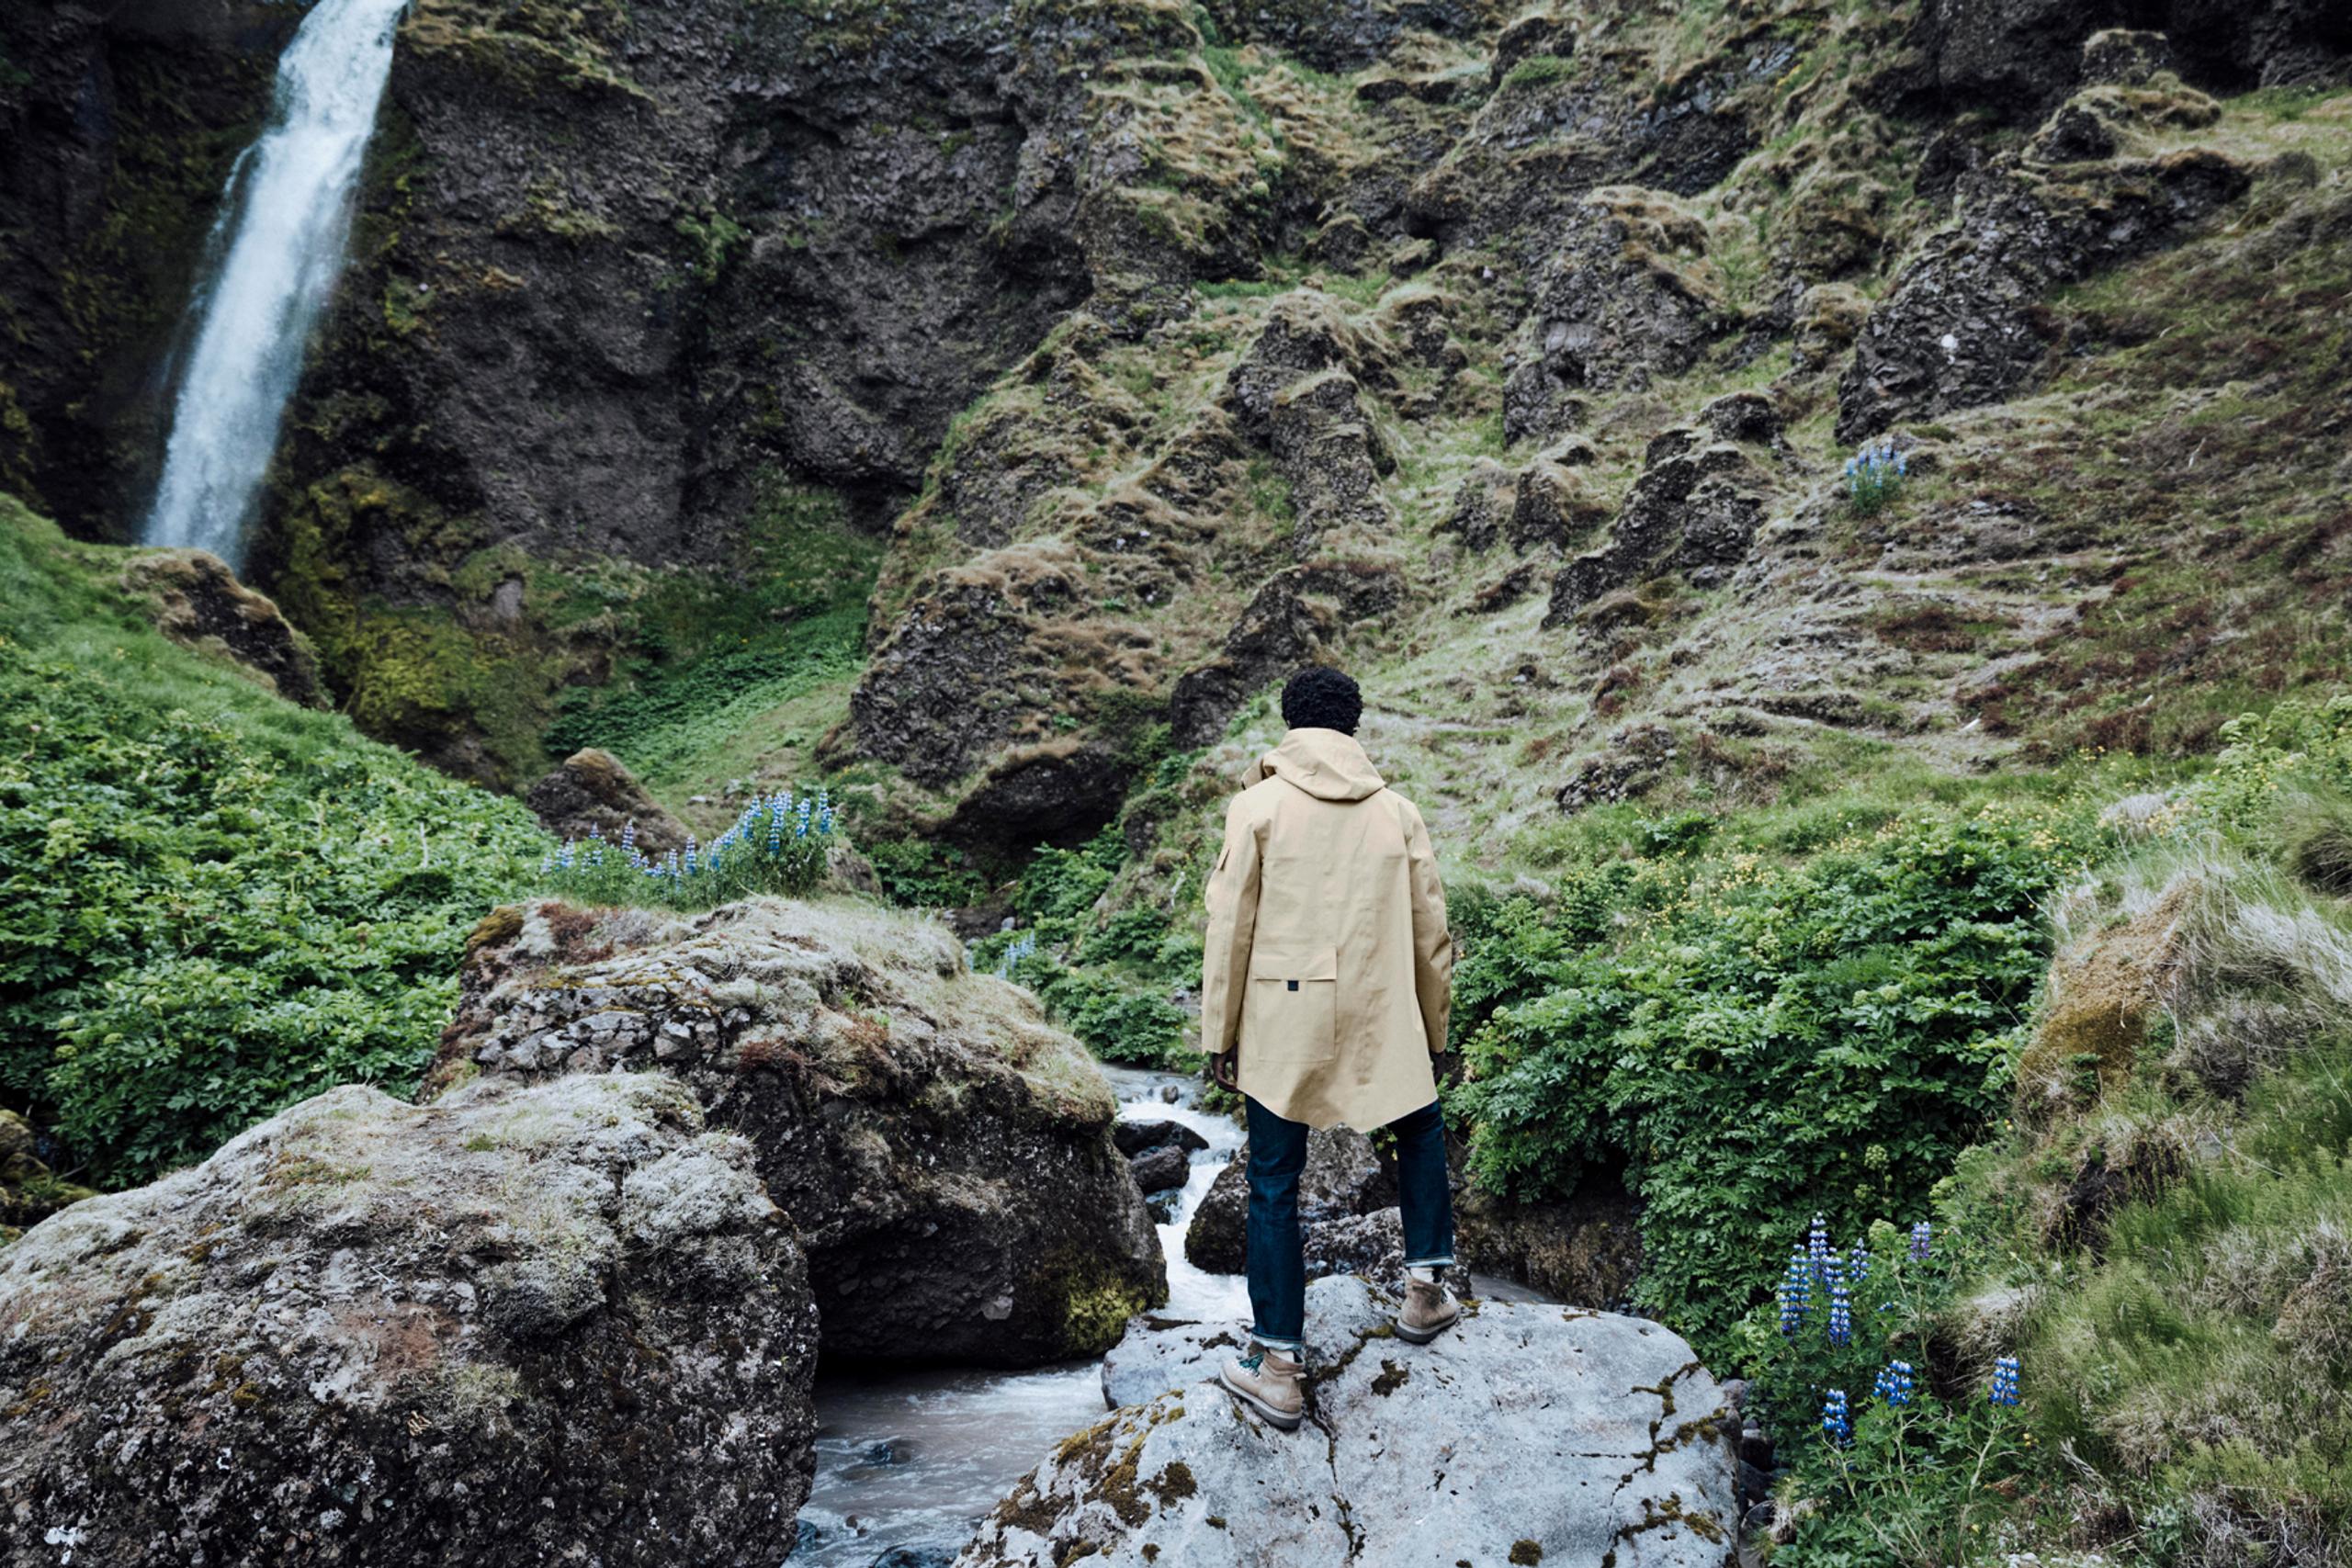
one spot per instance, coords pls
(285, 214)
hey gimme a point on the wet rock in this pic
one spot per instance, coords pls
(593, 792)
(1555, 1435)
(945, 1153)
(1134, 1137)
(29, 1190)
(199, 604)
(1965, 323)
(1344, 1178)
(916, 1557)
(1162, 1169)
(1371, 1245)
(1584, 1249)
(482, 1330)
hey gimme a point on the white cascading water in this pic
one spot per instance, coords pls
(286, 213)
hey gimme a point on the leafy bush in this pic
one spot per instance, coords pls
(1105, 978)
(777, 845)
(919, 873)
(1753, 1040)
(212, 903)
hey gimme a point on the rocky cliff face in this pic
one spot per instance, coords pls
(945, 1155)
(524, 1324)
(1176, 346)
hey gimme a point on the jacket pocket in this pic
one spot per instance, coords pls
(1293, 1005)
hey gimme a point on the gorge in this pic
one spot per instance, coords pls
(1842, 516)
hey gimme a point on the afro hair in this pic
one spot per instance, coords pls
(1320, 698)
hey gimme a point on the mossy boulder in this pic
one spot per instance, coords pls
(527, 1324)
(592, 791)
(201, 605)
(946, 1155)
(2107, 991)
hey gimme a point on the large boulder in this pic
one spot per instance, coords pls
(1344, 1178)
(199, 604)
(1526, 1434)
(946, 1155)
(525, 1325)
(593, 792)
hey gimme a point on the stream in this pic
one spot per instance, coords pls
(907, 1462)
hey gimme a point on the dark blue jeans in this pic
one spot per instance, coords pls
(1277, 1258)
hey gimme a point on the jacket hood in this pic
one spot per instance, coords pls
(1325, 763)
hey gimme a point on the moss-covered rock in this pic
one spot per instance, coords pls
(946, 1155)
(524, 1323)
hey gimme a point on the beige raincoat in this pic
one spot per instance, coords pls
(1329, 962)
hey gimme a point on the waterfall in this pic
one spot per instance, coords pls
(286, 213)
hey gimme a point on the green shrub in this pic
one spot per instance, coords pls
(1753, 1041)
(212, 903)
(920, 874)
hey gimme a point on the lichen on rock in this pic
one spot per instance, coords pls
(524, 1324)
(945, 1153)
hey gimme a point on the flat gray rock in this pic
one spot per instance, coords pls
(1529, 1433)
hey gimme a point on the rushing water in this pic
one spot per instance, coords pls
(912, 1460)
(286, 215)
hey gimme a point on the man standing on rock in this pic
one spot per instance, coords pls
(1324, 991)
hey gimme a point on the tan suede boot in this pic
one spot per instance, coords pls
(1429, 1311)
(1267, 1382)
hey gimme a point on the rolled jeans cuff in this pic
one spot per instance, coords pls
(1444, 1262)
(1294, 1348)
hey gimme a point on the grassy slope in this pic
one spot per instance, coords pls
(212, 902)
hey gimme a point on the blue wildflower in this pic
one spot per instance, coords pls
(1796, 1293)
(1893, 1384)
(1922, 1235)
(2004, 1380)
(1837, 1419)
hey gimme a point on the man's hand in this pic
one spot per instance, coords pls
(1224, 1070)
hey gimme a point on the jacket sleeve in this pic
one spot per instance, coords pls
(1433, 943)
(1232, 898)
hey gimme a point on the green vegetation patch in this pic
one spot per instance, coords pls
(212, 903)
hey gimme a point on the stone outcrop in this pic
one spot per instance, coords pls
(529, 1324)
(945, 1154)
(2021, 56)
(199, 604)
(1694, 510)
(1345, 1179)
(1599, 1442)
(1297, 615)
(1617, 303)
(1965, 323)
(594, 792)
